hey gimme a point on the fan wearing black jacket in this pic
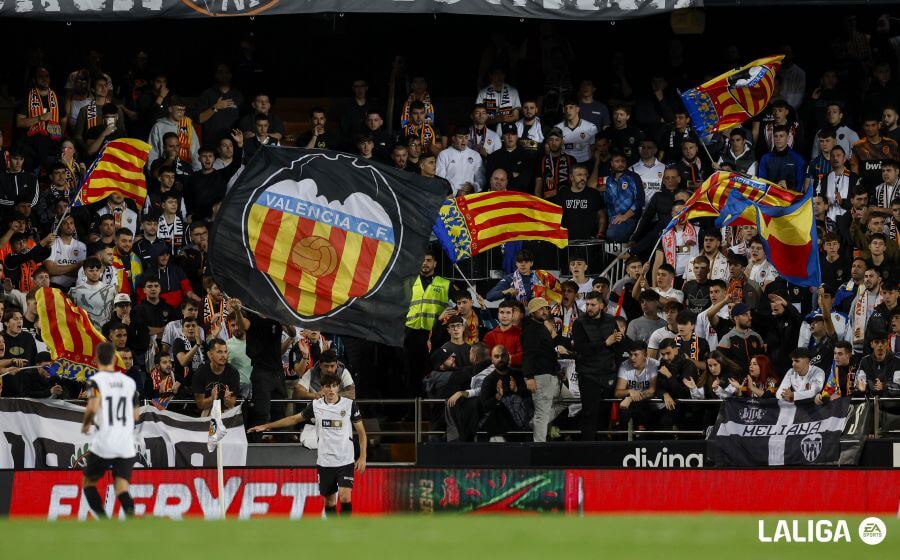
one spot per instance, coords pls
(595, 337)
(504, 403)
(674, 370)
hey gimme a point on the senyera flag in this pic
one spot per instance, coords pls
(119, 168)
(736, 96)
(325, 240)
(69, 335)
(470, 224)
(788, 235)
(708, 200)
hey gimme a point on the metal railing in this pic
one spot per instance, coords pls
(418, 433)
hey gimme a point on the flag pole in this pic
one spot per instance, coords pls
(62, 218)
(468, 282)
(220, 473)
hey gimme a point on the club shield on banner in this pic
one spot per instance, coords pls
(753, 432)
(325, 240)
(47, 434)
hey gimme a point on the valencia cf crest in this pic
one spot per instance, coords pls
(323, 239)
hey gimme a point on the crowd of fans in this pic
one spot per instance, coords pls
(701, 314)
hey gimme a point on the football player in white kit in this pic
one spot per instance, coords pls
(333, 414)
(113, 408)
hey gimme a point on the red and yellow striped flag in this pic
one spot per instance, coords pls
(736, 96)
(119, 168)
(708, 200)
(69, 334)
(470, 224)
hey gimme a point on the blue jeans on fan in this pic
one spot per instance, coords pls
(620, 233)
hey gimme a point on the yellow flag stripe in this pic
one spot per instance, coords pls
(340, 290)
(506, 228)
(790, 229)
(281, 251)
(113, 168)
(127, 157)
(382, 256)
(488, 201)
(527, 214)
(254, 224)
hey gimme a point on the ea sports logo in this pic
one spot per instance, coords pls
(872, 530)
(229, 7)
(315, 255)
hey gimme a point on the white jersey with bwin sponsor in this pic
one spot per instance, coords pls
(577, 142)
(114, 438)
(334, 430)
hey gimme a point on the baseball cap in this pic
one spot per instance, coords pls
(555, 131)
(739, 309)
(122, 298)
(510, 128)
(537, 303)
(817, 316)
(439, 356)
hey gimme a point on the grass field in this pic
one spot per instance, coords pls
(665, 537)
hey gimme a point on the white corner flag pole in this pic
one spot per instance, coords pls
(220, 473)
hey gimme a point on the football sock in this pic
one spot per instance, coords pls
(346, 509)
(127, 504)
(330, 511)
(93, 500)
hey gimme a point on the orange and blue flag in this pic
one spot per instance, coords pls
(708, 200)
(470, 224)
(119, 168)
(736, 96)
(69, 335)
(788, 234)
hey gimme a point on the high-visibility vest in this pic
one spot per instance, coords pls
(427, 305)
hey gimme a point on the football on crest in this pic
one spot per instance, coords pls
(314, 255)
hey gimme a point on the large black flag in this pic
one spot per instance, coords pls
(325, 240)
(752, 432)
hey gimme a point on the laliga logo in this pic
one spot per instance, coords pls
(872, 531)
(229, 7)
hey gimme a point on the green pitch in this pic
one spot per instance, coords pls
(697, 537)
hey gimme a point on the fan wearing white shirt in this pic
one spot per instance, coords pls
(481, 138)
(648, 168)
(803, 381)
(636, 384)
(500, 99)
(460, 165)
(578, 134)
(760, 270)
(66, 255)
(529, 127)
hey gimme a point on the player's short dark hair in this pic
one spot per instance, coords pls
(524, 255)
(713, 233)
(150, 278)
(106, 354)
(891, 163)
(718, 282)
(649, 295)
(798, 353)
(482, 351)
(780, 128)
(91, 262)
(206, 149)
(416, 105)
(329, 379)
(197, 224)
(571, 285)
(168, 195)
(328, 357)
(124, 231)
(9, 312)
(666, 267)
(316, 109)
(507, 304)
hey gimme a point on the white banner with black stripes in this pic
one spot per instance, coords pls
(754, 432)
(38, 434)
